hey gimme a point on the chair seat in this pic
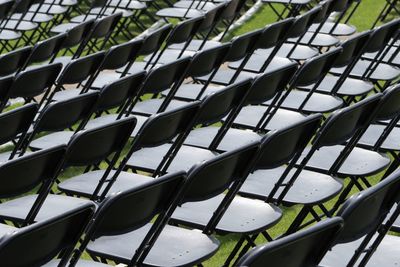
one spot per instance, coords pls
(106, 119)
(168, 56)
(386, 254)
(388, 56)
(317, 103)
(5, 156)
(17, 209)
(127, 4)
(256, 62)
(80, 263)
(195, 44)
(136, 68)
(190, 91)
(84, 184)
(243, 215)
(94, 14)
(383, 72)
(292, 2)
(249, 116)
(320, 39)
(63, 60)
(234, 138)
(310, 188)
(9, 35)
(360, 162)
(199, 5)
(62, 2)
(224, 76)
(174, 247)
(148, 159)
(173, 12)
(35, 17)
(340, 29)
(350, 87)
(49, 9)
(301, 52)
(103, 79)
(15, 25)
(5, 229)
(374, 131)
(67, 94)
(151, 106)
(61, 28)
(51, 140)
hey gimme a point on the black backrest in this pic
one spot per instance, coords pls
(304, 248)
(295, 137)
(119, 55)
(326, 8)
(16, 121)
(13, 61)
(46, 49)
(144, 202)
(79, 69)
(92, 146)
(184, 30)
(118, 92)
(102, 27)
(212, 16)
(303, 21)
(78, 33)
(63, 114)
(207, 60)
(5, 8)
(163, 77)
(365, 210)
(266, 85)
(212, 177)
(381, 36)
(390, 103)
(5, 87)
(314, 69)
(343, 123)
(154, 39)
(352, 47)
(20, 175)
(43, 241)
(275, 33)
(217, 105)
(231, 9)
(164, 126)
(243, 44)
(33, 82)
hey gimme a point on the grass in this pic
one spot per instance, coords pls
(363, 19)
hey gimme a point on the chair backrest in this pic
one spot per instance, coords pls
(46, 49)
(303, 21)
(5, 8)
(78, 33)
(184, 30)
(352, 48)
(243, 44)
(275, 33)
(381, 36)
(164, 126)
(80, 69)
(20, 175)
(214, 176)
(163, 77)
(92, 146)
(5, 86)
(212, 16)
(295, 137)
(35, 81)
(144, 202)
(343, 123)
(232, 9)
(119, 55)
(120, 91)
(304, 248)
(364, 211)
(43, 241)
(13, 61)
(207, 60)
(16, 121)
(217, 105)
(390, 104)
(154, 39)
(315, 69)
(63, 114)
(104, 26)
(265, 86)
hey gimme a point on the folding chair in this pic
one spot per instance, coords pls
(5, 85)
(162, 133)
(304, 248)
(13, 61)
(46, 240)
(272, 38)
(390, 6)
(58, 116)
(375, 70)
(291, 8)
(364, 239)
(15, 124)
(135, 238)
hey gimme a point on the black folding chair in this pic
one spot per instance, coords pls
(305, 248)
(13, 61)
